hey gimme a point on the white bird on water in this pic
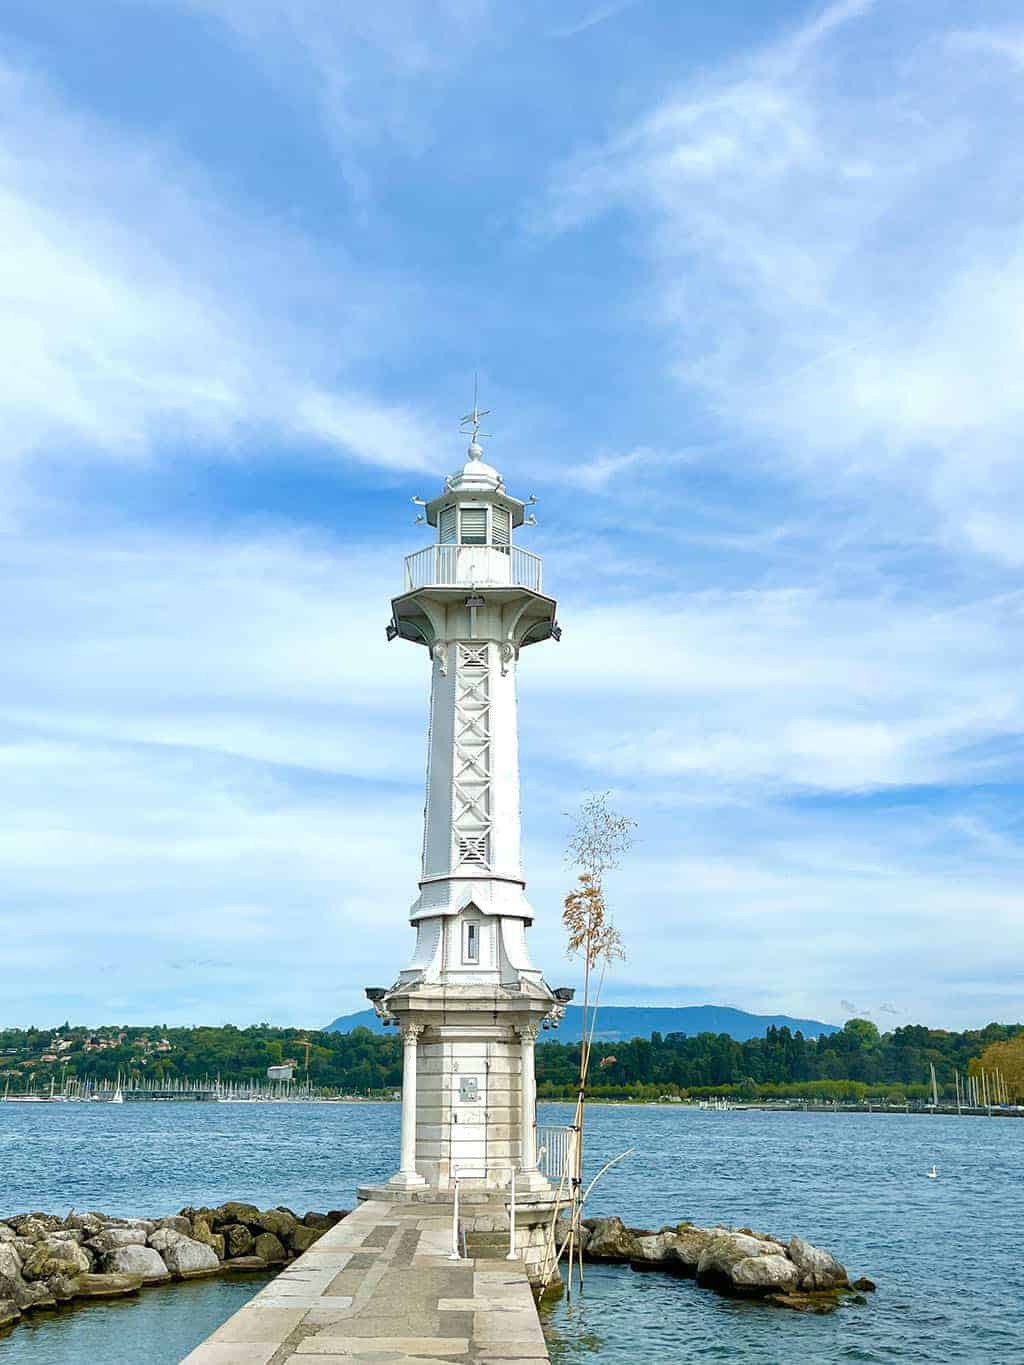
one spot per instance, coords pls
(933, 1174)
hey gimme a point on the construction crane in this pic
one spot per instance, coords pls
(304, 1042)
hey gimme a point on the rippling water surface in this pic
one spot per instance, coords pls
(943, 1252)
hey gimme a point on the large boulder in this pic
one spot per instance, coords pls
(202, 1232)
(818, 1269)
(277, 1221)
(27, 1229)
(176, 1223)
(185, 1257)
(727, 1251)
(164, 1238)
(133, 1259)
(71, 1235)
(62, 1287)
(651, 1249)
(106, 1286)
(9, 1312)
(769, 1274)
(317, 1220)
(234, 1212)
(37, 1295)
(55, 1256)
(610, 1240)
(269, 1249)
(8, 1234)
(89, 1223)
(10, 1261)
(238, 1239)
(112, 1238)
(301, 1237)
(17, 1290)
(685, 1246)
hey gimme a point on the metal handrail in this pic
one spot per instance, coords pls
(475, 1166)
(556, 1143)
(476, 565)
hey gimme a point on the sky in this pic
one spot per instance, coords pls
(744, 288)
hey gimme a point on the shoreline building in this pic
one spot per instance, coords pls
(470, 1002)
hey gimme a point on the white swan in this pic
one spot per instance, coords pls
(933, 1174)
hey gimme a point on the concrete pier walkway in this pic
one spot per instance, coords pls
(378, 1289)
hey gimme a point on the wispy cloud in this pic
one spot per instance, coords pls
(838, 265)
(129, 324)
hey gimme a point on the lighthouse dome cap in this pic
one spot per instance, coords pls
(476, 474)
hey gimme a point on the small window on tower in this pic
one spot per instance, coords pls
(471, 942)
(500, 527)
(447, 525)
(474, 526)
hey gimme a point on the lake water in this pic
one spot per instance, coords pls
(943, 1252)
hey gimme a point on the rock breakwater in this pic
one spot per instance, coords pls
(734, 1261)
(47, 1260)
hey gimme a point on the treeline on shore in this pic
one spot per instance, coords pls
(853, 1064)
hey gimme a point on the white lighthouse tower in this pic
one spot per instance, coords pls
(470, 1002)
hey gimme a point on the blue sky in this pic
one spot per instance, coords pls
(744, 290)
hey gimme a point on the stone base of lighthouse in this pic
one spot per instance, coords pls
(469, 1112)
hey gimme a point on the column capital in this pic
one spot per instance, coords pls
(410, 1032)
(528, 1032)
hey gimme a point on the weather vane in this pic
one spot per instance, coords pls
(470, 424)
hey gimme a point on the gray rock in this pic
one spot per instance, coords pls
(202, 1232)
(146, 1224)
(176, 1223)
(725, 1251)
(685, 1247)
(164, 1238)
(185, 1257)
(276, 1221)
(89, 1223)
(652, 1247)
(14, 1288)
(245, 1263)
(134, 1259)
(62, 1287)
(9, 1312)
(610, 1240)
(112, 1238)
(765, 1274)
(7, 1234)
(10, 1261)
(37, 1295)
(269, 1249)
(818, 1269)
(238, 1239)
(301, 1237)
(55, 1256)
(234, 1212)
(106, 1286)
(34, 1225)
(317, 1220)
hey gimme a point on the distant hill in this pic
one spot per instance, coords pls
(620, 1023)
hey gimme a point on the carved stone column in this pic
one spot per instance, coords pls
(408, 1175)
(528, 1106)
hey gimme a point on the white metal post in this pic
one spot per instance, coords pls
(512, 1222)
(453, 1255)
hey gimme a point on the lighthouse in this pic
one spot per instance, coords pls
(470, 1000)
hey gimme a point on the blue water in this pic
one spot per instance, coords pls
(943, 1252)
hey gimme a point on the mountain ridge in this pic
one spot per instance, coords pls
(622, 1023)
